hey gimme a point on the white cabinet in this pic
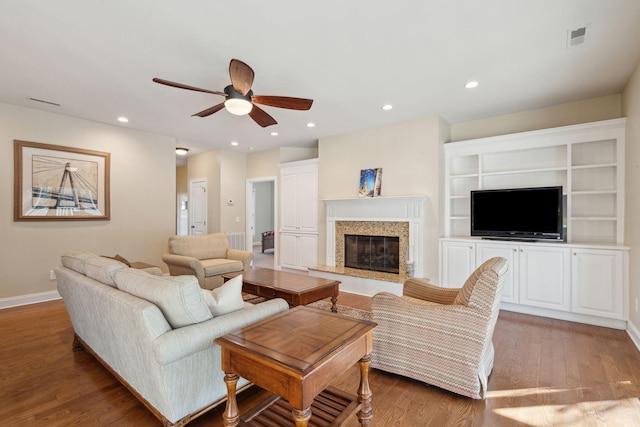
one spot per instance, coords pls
(457, 262)
(299, 214)
(544, 278)
(299, 251)
(598, 283)
(583, 283)
(587, 160)
(485, 251)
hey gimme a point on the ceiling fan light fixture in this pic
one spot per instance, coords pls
(237, 106)
(181, 151)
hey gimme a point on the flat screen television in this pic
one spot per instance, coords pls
(517, 213)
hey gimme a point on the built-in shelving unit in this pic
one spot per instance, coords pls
(586, 277)
(586, 160)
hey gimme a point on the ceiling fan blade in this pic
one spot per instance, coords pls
(241, 76)
(261, 117)
(210, 111)
(181, 86)
(283, 102)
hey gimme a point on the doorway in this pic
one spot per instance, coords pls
(262, 217)
(198, 208)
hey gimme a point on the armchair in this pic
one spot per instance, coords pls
(206, 257)
(441, 336)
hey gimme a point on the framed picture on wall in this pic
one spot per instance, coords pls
(370, 182)
(53, 182)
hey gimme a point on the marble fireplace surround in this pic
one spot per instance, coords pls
(397, 216)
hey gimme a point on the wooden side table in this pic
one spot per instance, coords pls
(296, 355)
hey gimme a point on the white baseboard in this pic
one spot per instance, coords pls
(28, 299)
(634, 334)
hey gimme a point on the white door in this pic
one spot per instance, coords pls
(485, 251)
(198, 208)
(458, 262)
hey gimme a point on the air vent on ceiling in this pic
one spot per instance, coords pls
(44, 102)
(576, 37)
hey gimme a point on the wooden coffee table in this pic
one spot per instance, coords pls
(296, 289)
(296, 354)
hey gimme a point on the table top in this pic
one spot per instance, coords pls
(277, 279)
(298, 340)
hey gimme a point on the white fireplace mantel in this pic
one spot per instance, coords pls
(390, 208)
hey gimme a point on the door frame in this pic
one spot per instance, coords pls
(250, 208)
(206, 205)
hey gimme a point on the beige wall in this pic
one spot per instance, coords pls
(142, 199)
(233, 175)
(631, 109)
(409, 155)
(589, 110)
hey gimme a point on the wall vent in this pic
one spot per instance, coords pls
(576, 37)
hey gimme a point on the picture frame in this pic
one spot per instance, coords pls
(370, 182)
(59, 183)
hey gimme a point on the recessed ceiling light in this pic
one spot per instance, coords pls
(234, 143)
(387, 107)
(123, 119)
(471, 84)
(274, 133)
(311, 125)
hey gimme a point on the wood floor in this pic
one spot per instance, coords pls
(547, 373)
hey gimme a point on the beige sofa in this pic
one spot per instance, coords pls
(206, 257)
(154, 333)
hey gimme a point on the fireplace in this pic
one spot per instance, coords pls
(375, 253)
(400, 217)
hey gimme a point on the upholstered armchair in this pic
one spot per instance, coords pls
(206, 257)
(441, 336)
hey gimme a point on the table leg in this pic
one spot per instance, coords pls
(364, 392)
(301, 418)
(230, 416)
(334, 304)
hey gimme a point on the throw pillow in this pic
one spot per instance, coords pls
(225, 299)
(178, 297)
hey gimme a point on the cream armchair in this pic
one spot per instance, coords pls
(441, 336)
(206, 257)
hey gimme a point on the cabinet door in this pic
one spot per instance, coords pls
(289, 201)
(485, 251)
(308, 250)
(596, 282)
(458, 262)
(544, 277)
(288, 250)
(308, 200)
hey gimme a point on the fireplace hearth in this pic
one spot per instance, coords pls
(375, 253)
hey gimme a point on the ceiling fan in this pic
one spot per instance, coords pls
(240, 98)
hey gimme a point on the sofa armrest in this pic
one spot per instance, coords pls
(183, 261)
(422, 289)
(239, 255)
(182, 342)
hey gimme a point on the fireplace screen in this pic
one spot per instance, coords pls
(377, 253)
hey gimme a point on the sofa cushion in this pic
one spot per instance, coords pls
(226, 298)
(75, 260)
(178, 297)
(201, 247)
(102, 269)
(218, 266)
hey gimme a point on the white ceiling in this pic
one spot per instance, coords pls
(96, 58)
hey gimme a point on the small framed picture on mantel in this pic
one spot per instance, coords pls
(370, 182)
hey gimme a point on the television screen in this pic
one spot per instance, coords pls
(517, 213)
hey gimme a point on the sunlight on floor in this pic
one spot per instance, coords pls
(565, 407)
